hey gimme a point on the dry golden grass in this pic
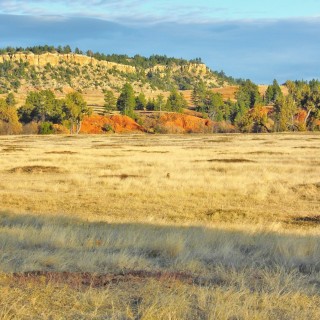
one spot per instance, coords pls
(232, 221)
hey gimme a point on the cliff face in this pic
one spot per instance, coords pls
(54, 59)
(197, 69)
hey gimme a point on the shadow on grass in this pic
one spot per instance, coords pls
(41, 243)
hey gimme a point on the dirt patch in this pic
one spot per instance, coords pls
(306, 147)
(36, 169)
(225, 215)
(12, 149)
(227, 160)
(220, 170)
(146, 151)
(99, 146)
(267, 152)
(223, 140)
(61, 152)
(78, 280)
(121, 176)
(307, 220)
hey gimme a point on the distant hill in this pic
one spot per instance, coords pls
(61, 70)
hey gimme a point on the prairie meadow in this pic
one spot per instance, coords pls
(160, 226)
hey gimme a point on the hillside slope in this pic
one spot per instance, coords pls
(21, 72)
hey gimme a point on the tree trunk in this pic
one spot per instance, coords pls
(71, 127)
(307, 116)
(79, 126)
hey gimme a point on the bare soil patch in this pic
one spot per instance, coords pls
(61, 152)
(306, 147)
(227, 160)
(123, 176)
(86, 279)
(267, 152)
(307, 220)
(146, 151)
(12, 149)
(100, 146)
(36, 169)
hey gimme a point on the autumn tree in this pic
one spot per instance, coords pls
(75, 109)
(285, 110)
(310, 101)
(9, 121)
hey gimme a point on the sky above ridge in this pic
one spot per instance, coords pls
(247, 39)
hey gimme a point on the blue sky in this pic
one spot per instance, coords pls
(247, 39)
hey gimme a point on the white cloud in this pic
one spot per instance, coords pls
(124, 11)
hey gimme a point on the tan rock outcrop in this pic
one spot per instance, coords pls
(193, 68)
(54, 59)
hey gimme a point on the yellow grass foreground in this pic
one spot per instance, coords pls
(160, 227)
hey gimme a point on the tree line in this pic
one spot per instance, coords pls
(299, 110)
(128, 102)
(137, 60)
(41, 112)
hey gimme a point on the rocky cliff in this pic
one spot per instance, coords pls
(54, 59)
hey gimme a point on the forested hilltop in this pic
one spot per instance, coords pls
(44, 89)
(55, 68)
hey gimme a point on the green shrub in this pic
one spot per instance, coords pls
(46, 128)
(107, 128)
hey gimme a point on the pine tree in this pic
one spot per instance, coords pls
(110, 101)
(198, 95)
(176, 102)
(141, 102)
(126, 101)
(273, 92)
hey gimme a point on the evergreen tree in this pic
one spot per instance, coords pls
(214, 106)
(141, 102)
(176, 102)
(39, 106)
(159, 103)
(10, 100)
(150, 105)
(198, 95)
(273, 92)
(126, 102)
(248, 95)
(110, 101)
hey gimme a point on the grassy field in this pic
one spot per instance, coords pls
(160, 227)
